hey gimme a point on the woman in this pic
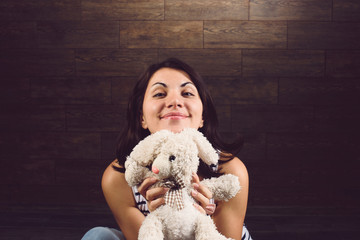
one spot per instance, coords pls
(171, 95)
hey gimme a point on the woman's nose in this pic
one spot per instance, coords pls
(174, 100)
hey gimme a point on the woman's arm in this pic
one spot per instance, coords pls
(119, 197)
(229, 216)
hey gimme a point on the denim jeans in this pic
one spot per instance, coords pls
(103, 233)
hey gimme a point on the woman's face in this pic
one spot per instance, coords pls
(171, 102)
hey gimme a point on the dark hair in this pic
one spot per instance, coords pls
(133, 132)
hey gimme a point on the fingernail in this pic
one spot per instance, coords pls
(195, 185)
(194, 192)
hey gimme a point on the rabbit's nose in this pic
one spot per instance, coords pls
(155, 170)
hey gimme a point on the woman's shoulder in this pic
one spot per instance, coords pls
(236, 167)
(114, 185)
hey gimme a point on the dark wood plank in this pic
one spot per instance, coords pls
(121, 88)
(161, 34)
(313, 147)
(286, 63)
(227, 90)
(94, 118)
(208, 62)
(114, 62)
(109, 142)
(254, 148)
(319, 91)
(18, 35)
(70, 195)
(224, 117)
(123, 10)
(346, 10)
(341, 118)
(319, 10)
(71, 90)
(68, 172)
(206, 10)
(51, 145)
(271, 118)
(37, 62)
(26, 117)
(30, 172)
(71, 34)
(14, 90)
(324, 35)
(244, 34)
(32, 10)
(343, 63)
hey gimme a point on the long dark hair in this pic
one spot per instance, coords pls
(133, 132)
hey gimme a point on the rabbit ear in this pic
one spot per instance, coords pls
(206, 152)
(147, 149)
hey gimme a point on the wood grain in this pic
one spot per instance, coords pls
(123, 10)
(319, 91)
(29, 117)
(94, 118)
(51, 145)
(343, 63)
(206, 10)
(346, 10)
(324, 35)
(114, 62)
(271, 118)
(37, 62)
(121, 88)
(161, 34)
(227, 90)
(283, 63)
(71, 91)
(71, 34)
(319, 10)
(244, 34)
(30, 10)
(14, 90)
(18, 34)
(208, 62)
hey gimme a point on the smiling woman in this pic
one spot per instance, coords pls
(171, 95)
(171, 102)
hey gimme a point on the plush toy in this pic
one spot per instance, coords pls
(173, 158)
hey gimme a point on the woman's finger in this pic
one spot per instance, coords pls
(155, 193)
(144, 186)
(200, 198)
(153, 205)
(199, 208)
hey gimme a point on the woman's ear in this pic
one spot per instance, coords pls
(201, 123)
(143, 122)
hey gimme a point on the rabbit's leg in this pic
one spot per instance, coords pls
(151, 228)
(205, 229)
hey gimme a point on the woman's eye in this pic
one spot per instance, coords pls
(188, 94)
(159, 94)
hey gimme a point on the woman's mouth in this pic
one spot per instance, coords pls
(174, 116)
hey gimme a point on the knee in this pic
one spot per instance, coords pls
(100, 233)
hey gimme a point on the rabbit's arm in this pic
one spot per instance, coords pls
(135, 173)
(223, 187)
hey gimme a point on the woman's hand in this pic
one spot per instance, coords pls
(202, 195)
(153, 196)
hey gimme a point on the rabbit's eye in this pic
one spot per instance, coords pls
(149, 166)
(172, 158)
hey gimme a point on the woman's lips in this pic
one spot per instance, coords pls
(174, 116)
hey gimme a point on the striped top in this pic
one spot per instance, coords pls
(142, 206)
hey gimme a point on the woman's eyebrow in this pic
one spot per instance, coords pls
(186, 83)
(160, 83)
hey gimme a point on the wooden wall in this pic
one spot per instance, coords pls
(285, 74)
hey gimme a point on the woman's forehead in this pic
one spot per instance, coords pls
(169, 75)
